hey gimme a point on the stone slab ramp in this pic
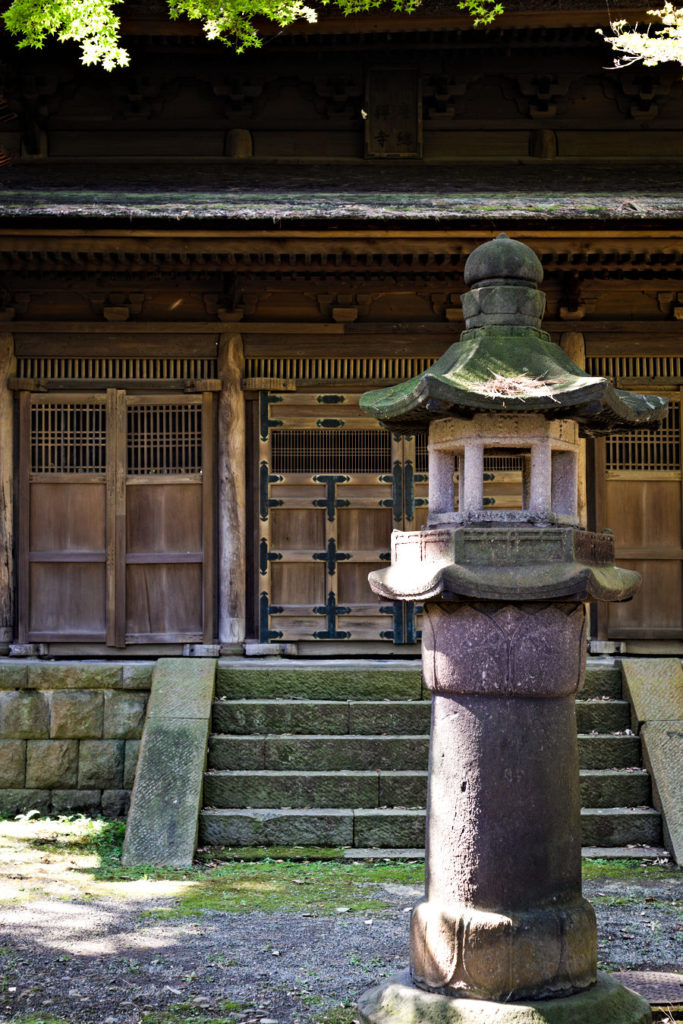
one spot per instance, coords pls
(655, 690)
(167, 793)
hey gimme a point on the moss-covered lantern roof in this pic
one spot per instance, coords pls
(504, 362)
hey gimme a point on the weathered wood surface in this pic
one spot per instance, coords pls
(573, 343)
(7, 369)
(232, 520)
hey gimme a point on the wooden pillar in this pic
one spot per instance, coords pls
(232, 526)
(573, 343)
(7, 369)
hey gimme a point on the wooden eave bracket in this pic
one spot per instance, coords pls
(267, 384)
(190, 387)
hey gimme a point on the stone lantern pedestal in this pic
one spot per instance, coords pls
(504, 933)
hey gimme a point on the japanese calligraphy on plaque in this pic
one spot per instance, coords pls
(393, 125)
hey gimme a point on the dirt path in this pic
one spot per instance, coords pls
(75, 947)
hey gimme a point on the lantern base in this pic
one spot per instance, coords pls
(398, 1001)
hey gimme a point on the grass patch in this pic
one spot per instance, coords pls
(314, 887)
(80, 858)
(187, 1013)
(213, 854)
(629, 871)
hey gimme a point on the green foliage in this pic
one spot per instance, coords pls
(95, 26)
(651, 44)
(90, 23)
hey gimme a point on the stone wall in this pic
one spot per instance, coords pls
(69, 735)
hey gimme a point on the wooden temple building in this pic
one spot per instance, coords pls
(207, 257)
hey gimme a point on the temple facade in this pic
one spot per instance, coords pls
(207, 257)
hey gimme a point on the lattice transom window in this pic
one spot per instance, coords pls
(68, 437)
(323, 450)
(164, 438)
(645, 450)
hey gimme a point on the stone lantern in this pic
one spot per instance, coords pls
(504, 933)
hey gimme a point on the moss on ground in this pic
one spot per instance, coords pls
(629, 870)
(80, 857)
(315, 887)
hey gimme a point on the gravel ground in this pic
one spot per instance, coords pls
(105, 962)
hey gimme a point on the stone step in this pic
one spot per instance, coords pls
(367, 718)
(603, 679)
(393, 828)
(339, 680)
(243, 789)
(261, 678)
(332, 717)
(603, 715)
(385, 753)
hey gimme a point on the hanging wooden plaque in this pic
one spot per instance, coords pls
(393, 113)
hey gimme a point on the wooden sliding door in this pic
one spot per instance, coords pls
(332, 486)
(116, 518)
(642, 505)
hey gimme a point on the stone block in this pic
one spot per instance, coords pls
(602, 715)
(400, 1001)
(182, 688)
(402, 789)
(602, 681)
(261, 717)
(20, 801)
(12, 675)
(76, 714)
(609, 751)
(124, 715)
(374, 718)
(663, 753)
(318, 680)
(392, 827)
(162, 824)
(352, 753)
(605, 788)
(12, 764)
(23, 715)
(277, 828)
(236, 753)
(137, 676)
(76, 675)
(619, 826)
(76, 801)
(100, 764)
(51, 764)
(290, 789)
(655, 689)
(130, 763)
(115, 803)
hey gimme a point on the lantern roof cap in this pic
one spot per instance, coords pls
(504, 362)
(503, 257)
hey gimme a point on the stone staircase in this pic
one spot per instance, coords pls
(334, 753)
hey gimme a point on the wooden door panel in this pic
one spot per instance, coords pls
(67, 601)
(164, 601)
(303, 584)
(353, 587)
(164, 518)
(642, 505)
(296, 529)
(365, 528)
(656, 608)
(67, 517)
(644, 513)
